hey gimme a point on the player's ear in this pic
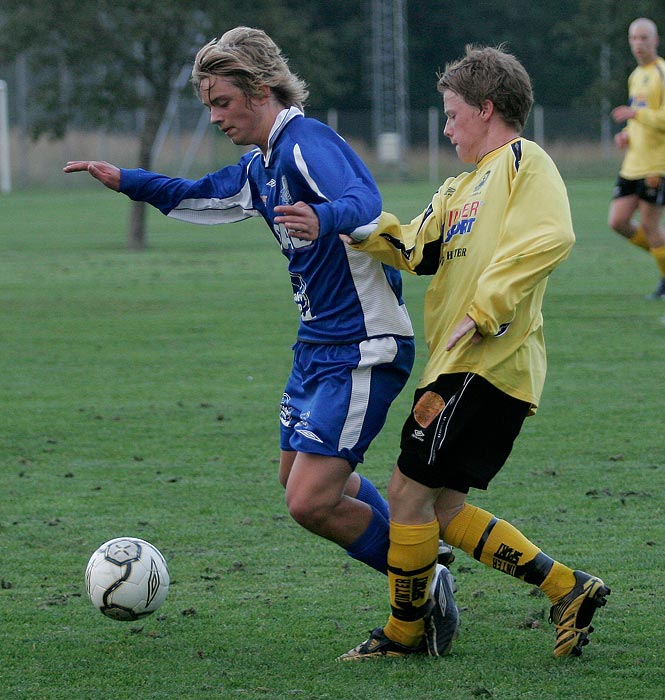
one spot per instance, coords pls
(487, 109)
(265, 91)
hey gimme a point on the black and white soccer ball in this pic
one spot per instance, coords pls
(127, 578)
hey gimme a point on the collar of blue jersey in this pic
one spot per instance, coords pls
(283, 118)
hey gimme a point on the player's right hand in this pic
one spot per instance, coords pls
(107, 173)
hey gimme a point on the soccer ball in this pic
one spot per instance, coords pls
(127, 578)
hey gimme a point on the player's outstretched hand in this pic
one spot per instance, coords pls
(106, 173)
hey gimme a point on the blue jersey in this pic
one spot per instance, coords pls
(343, 295)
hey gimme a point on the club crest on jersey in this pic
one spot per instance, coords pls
(481, 183)
(301, 298)
(285, 194)
(286, 241)
(461, 221)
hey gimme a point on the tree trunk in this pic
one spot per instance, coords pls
(137, 226)
(155, 110)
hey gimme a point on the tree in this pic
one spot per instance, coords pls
(93, 63)
(608, 22)
(534, 32)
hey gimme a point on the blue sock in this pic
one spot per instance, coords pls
(368, 493)
(371, 547)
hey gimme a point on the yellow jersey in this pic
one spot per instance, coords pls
(646, 130)
(490, 238)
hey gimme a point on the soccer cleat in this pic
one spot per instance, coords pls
(658, 293)
(445, 556)
(378, 645)
(442, 619)
(572, 614)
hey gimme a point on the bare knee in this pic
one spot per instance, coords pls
(620, 215)
(307, 511)
(315, 494)
(620, 225)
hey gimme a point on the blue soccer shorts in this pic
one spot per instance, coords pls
(337, 396)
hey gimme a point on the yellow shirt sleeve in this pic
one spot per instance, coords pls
(535, 235)
(414, 247)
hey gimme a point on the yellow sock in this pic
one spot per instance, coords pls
(558, 582)
(658, 255)
(639, 238)
(500, 545)
(411, 565)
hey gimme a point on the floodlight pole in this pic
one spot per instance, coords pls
(5, 173)
(390, 89)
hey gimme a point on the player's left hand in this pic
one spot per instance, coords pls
(466, 325)
(621, 140)
(299, 219)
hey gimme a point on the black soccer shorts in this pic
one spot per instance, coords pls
(649, 189)
(460, 432)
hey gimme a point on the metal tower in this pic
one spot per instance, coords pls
(390, 88)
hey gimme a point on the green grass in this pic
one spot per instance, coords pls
(138, 395)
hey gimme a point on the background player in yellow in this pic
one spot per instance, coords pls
(640, 187)
(490, 238)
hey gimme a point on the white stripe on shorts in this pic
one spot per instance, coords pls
(375, 351)
(436, 444)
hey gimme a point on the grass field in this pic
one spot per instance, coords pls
(139, 394)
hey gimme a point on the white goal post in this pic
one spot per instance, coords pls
(5, 174)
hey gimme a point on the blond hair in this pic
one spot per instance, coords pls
(250, 59)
